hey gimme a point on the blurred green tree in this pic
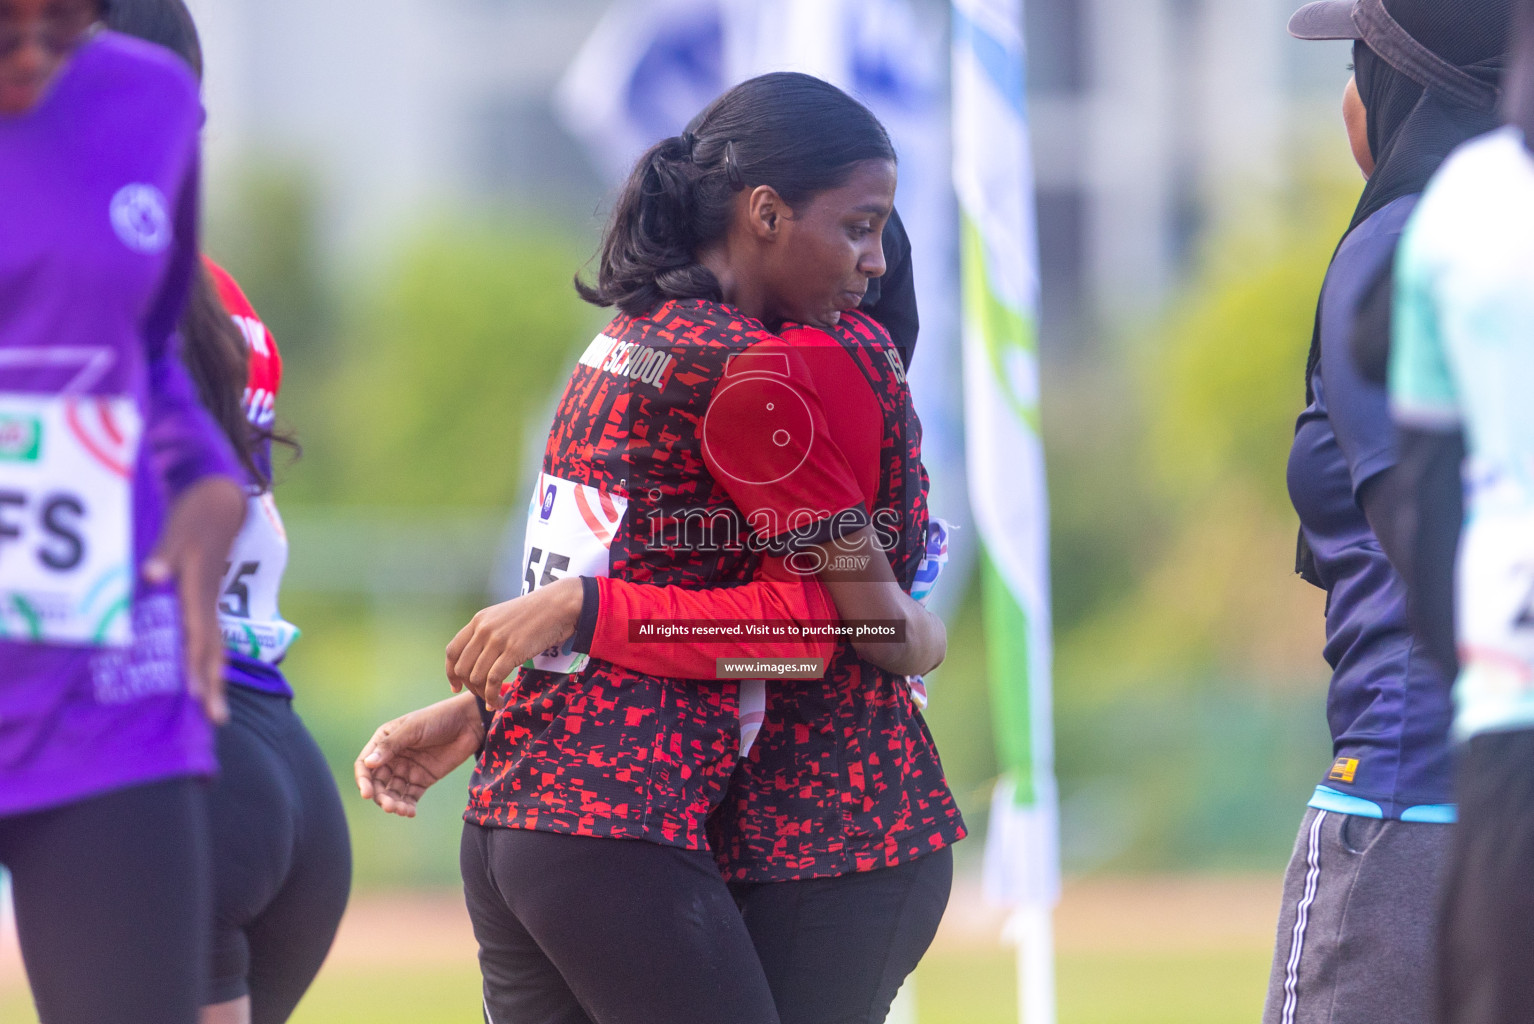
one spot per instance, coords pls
(1220, 382)
(264, 228)
(445, 361)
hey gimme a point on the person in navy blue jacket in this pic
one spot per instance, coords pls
(1356, 930)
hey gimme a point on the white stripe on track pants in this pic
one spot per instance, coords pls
(1357, 926)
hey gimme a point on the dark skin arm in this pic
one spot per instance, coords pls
(871, 593)
(1416, 509)
(202, 525)
(500, 638)
(1371, 327)
(1387, 505)
(407, 756)
(1430, 479)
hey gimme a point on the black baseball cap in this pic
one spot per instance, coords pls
(1325, 19)
(1429, 41)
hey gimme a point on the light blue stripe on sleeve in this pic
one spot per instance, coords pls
(1328, 799)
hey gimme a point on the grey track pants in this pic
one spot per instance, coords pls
(1356, 933)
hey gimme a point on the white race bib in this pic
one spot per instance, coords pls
(1496, 589)
(570, 529)
(1495, 595)
(247, 603)
(933, 560)
(66, 518)
(752, 713)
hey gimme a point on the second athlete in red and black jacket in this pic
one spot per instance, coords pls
(844, 776)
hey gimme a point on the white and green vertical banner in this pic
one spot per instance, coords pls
(993, 176)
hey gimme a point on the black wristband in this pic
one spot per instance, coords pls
(586, 624)
(486, 716)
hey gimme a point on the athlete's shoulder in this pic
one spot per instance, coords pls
(863, 327)
(229, 290)
(1494, 153)
(265, 378)
(1487, 180)
(126, 70)
(127, 105)
(706, 322)
(853, 330)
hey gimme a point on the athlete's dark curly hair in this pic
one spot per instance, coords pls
(212, 347)
(166, 22)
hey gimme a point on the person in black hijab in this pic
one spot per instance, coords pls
(1356, 938)
(891, 299)
(1461, 369)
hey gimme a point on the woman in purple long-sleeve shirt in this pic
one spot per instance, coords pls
(117, 505)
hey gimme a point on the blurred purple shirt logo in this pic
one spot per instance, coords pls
(141, 218)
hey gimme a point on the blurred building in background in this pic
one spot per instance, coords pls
(1153, 121)
(397, 108)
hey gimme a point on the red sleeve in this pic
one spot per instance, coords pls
(766, 441)
(853, 414)
(265, 377)
(853, 425)
(777, 594)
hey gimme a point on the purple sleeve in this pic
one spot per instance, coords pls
(170, 302)
(180, 435)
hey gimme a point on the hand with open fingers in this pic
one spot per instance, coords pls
(500, 638)
(193, 550)
(407, 756)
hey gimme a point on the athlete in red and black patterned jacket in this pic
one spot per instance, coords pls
(614, 752)
(835, 831)
(843, 776)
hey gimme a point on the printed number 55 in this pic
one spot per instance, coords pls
(236, 600)
(554, 564)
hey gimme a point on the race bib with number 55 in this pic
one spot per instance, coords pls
(66, 518)
(570, 531)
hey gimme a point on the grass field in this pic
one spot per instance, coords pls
(1137, 951)
(1214, 987)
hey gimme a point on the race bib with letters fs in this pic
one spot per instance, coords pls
(66, 518)
(570, 529)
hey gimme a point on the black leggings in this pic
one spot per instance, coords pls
(281, 857)
(1486, 906)
(112, 901)
(836, 950)
(584, 930)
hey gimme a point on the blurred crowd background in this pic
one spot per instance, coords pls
(391, 182)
